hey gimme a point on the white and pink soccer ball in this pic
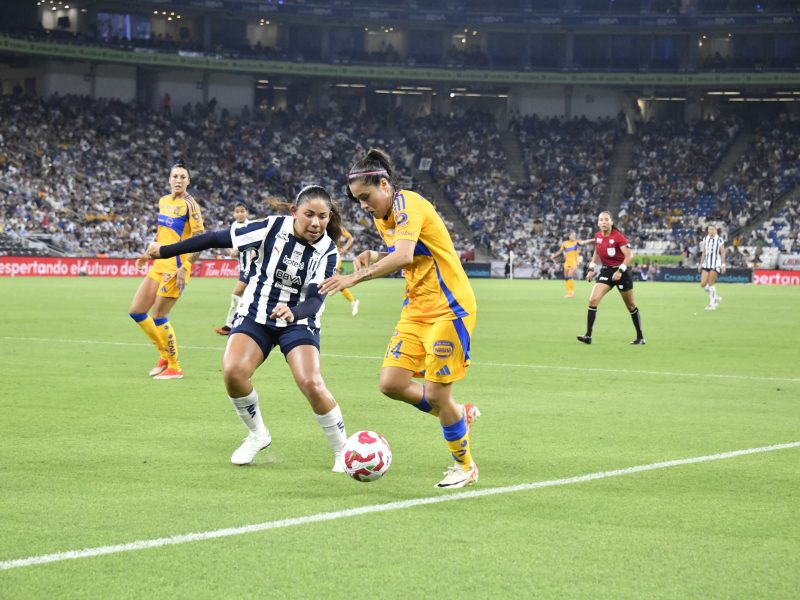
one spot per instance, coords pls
(367, 456)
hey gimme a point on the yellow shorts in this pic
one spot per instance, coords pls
(437, 351)
(167, 283)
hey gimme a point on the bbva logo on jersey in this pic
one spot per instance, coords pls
(285, 277)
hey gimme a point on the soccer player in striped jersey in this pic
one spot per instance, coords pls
(571, 250)
(179, 218)
(712, 262)
(432, 338)
(240, 218)
(281, 306)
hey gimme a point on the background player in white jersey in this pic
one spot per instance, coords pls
(712, 262)
(240, 217)
(281, 306)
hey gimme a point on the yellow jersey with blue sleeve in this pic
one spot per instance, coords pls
(571, 251)
(432, 338)
(178, 219)
(343, 237)
(437, 288)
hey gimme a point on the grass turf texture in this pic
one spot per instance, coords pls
(95, 453)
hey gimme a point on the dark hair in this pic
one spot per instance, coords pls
(314, 192)
(242, 204)
(180, 165)
(608, 212)
(376, 165)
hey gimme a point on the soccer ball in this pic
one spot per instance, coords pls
(367, 456)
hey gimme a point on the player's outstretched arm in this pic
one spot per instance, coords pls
(212, 239)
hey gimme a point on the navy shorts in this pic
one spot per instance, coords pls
(624, 284)
(244, 276)
(268, 337)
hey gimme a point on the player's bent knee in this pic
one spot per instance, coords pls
(235, 374)
(313, 388)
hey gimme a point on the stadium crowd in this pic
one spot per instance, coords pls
(84, 175)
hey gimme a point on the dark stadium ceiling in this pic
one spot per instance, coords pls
(558, 14)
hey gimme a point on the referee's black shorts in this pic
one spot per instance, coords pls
(624, 284)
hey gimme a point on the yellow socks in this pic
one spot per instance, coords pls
(456, 437)
(147, 324)
(168, 341)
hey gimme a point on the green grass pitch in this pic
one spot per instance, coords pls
(94, 453)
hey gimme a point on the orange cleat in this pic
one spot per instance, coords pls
(170, 374)
(471, 413)
(161, 366)
(224, 330)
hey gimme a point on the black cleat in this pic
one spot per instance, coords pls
(638, 342)
(586, 339)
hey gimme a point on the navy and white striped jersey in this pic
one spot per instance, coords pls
(710, 246)
(246, 263)
(283, 267)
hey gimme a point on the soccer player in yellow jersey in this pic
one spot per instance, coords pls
(571, 250)
(344, 243)
(432, 338)
(179, 218)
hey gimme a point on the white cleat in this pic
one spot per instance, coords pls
(355, 304)
(711, 307)
(338, 463)
(457, 477)
(252, 445)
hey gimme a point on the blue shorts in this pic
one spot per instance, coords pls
(268, 337)
(244, 276)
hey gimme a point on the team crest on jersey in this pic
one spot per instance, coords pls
(176, 210)
(443, 348)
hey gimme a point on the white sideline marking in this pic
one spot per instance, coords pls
(376, 508)
(475, 364)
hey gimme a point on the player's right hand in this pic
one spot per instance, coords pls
(153, 251)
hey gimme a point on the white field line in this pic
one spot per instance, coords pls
(474, 364)
(375, 508)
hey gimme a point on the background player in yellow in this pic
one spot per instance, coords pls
(571, 250)
(179, 218)
(432, 338)
(344, 243)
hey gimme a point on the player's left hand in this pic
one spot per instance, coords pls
(616, 276)
(282, 312)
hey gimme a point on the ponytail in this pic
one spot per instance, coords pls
(376, 165)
